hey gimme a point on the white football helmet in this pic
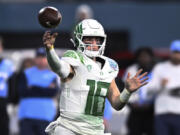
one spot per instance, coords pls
(89, 28)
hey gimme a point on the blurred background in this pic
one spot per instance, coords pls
(129, 25)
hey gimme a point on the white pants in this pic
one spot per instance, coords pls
(59, 130)
(56, 129)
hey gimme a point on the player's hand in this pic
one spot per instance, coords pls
(49, 39)
(134, 83)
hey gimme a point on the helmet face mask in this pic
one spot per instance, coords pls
(89, 28)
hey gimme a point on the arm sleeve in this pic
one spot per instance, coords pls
(59, 66)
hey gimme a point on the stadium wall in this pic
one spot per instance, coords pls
(152, 24)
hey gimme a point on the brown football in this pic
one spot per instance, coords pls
(49, 17)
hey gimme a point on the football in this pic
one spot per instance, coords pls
(49, 17)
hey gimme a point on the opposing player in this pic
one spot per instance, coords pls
(88, 78)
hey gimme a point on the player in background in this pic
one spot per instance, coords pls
(141, 105)
(83, 11)
(87, 79)
(165, 83)
(37, 87)
(6, 72)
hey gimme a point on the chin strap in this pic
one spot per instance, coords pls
(90, 54)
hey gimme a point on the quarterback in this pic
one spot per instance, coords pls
(88, 78)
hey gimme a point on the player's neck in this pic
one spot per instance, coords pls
(92, 58)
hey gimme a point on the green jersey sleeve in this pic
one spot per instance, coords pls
(73, 58)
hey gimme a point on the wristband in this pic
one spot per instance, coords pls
(124, 96)
(52, 47)
(48, 49)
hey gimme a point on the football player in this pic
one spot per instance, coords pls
(88, 79)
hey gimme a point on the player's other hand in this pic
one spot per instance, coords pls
(134, 83)
(49, 39)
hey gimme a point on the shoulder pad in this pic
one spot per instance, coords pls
(73, 57)
(113, 65)
(70, 53)
(113, 68)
